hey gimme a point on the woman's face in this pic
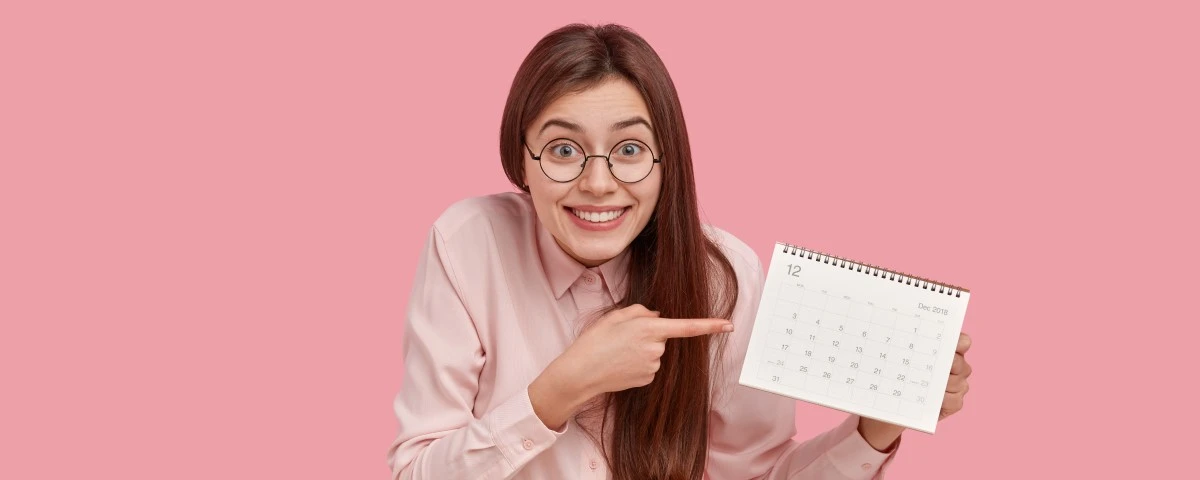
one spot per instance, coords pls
(595, 216)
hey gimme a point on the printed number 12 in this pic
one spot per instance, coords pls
(793, 270)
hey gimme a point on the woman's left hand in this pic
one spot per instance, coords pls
(883, 435)
(956, 387)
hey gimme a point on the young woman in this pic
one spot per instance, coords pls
(589, 326)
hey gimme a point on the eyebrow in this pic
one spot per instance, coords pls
(574, 127)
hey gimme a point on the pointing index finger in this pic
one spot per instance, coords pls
(665, 328)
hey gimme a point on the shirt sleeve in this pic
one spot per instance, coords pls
(751, 430)
(439, 434)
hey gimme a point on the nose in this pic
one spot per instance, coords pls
(596, 177)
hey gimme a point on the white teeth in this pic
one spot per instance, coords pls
(598, 217)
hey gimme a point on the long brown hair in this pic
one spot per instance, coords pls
(660, 431)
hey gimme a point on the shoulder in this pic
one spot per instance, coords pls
(743, 258)
(483, 241)
(483, 216)
(750, 280)
(748, 275)
(486, 232)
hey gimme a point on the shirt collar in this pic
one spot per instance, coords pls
(563, 271)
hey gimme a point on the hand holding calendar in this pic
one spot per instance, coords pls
(956, 386)
(881, 435)
(859, 338)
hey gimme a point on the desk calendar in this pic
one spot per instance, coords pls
(855, 337)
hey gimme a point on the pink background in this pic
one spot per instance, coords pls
(211, 212)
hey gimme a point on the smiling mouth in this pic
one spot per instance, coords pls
(599, 217)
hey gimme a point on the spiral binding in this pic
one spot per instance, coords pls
(874, 270)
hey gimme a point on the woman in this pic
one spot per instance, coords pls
(589, 326)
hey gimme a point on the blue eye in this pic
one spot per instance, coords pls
(564, 150)
(630, 149)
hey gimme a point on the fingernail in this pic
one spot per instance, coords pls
(727, 328)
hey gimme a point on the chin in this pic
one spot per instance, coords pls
(598, 252)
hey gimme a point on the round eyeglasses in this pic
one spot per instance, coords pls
(563, 160)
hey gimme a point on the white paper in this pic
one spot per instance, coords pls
(854, 338)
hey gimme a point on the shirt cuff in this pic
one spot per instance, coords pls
(518, 432)
(856, 458)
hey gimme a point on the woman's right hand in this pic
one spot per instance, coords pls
(620, 350)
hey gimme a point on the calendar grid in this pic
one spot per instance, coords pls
(850, 350)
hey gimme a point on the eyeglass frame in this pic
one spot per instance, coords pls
(583, 164)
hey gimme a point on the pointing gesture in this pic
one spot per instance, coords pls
(665, 328)
(621, 350)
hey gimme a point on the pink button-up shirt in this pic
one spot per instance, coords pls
(495, 300)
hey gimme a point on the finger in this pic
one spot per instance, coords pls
(958, 385)
(964, 343)
(951, 404)
(664, 328)
(959, 365)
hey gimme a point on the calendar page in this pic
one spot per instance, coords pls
(853, 337)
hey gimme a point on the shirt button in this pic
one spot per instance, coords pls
(527, 443)
(589, 279)
(593, 464)
(866, 466)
